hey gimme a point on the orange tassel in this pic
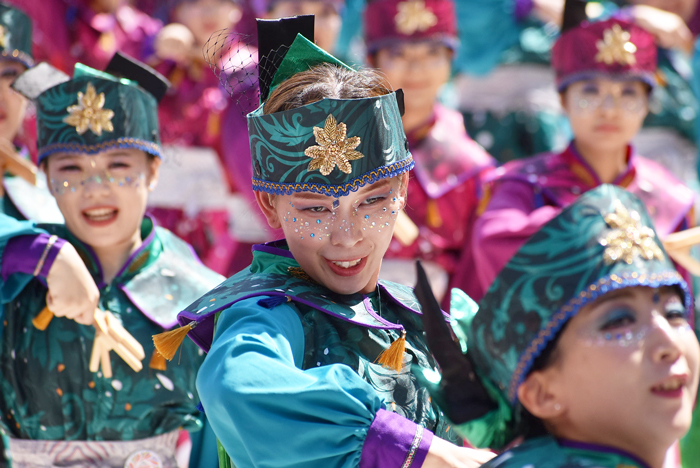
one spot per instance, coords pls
(433, 217)
(392, 357)
(42, 320)
(157, 361)
(168, 342)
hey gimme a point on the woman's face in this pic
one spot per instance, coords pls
(205, 17)
(340, 242)
(13, 105)
(326, 16)
(103, 196)
(605, 113)
(626, 370)
(419, 68)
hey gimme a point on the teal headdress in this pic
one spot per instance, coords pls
(332, 146)
(603, 242)
(15, 35)
(95, 111)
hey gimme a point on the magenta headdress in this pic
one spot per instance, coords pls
(613, 48)
(390, 21)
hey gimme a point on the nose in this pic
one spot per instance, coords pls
(665, 340)
(95, 186)
(346, 230)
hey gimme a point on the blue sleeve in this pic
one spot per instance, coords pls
(486, 29)
(265, 410)
(12, 284)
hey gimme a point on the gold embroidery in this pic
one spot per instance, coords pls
(616, 47)
(333, 148)
(414, 17)
(299, 273)
(3, 37)
(628, 239)
(88, 113)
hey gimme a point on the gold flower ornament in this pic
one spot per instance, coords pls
(333, 148)
(3, 37)
(616, 47)
(89, 113)
(413, 16)
(628, 239)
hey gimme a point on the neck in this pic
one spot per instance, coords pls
(112, 258)
(607, 163)
(415, 118)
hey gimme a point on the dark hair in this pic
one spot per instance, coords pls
(326, 81)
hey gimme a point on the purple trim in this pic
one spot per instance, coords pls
(22, 254)
(601, 448)
(381, 284)
(144, 245)
(563, 82)
(274, 248)
(694, 22)
(523, 8)
(368, 305)
(389, 439)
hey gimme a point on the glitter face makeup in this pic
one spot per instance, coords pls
(340, 242)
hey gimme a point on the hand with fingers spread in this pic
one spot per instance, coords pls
(443, 454)
(72, 291)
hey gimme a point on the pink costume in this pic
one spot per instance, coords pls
(67, 32)
(443, 193)
(524, 194)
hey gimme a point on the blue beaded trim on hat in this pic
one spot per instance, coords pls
(19, 56)
(590, 294)
(370, 177)
(134, 143)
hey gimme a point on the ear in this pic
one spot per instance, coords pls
(155, 163)
(267, 206)
(538, 395)
(404, 189)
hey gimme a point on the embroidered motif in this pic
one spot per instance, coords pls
(144, 459)
(616, 47)
(413, 16)
(88, 113)
(333, 148)
(298, 272)
(628, 239)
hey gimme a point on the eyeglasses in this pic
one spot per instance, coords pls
(590, 102)
(72, 182)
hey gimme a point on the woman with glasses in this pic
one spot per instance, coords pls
(605, 71)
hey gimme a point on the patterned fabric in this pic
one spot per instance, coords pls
(152, 452)
(552, 276)
(389, 21)
(349, 329)
(606, 47)
(547, 452)
(15, 35)
(46, 389)
(96, 111)
(331, 146)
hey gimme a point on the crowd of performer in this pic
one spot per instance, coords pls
(328, 233)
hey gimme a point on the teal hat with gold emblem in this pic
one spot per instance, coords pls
(332, 146)
(15, 35)
(95, 110)
(603, 242)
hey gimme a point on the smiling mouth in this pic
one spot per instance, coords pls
(671, 387)
(347, 264)
(100, 215)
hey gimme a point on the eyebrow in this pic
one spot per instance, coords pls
(320, 197)
(612, 295)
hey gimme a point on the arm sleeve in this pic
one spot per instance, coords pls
(508, 222)
(267, 412)
(21, 246)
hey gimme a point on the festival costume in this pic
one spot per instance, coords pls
(287, 355)
(602, 242)
(443, 193)
(54, 409)
(530, 192)
(22, 200)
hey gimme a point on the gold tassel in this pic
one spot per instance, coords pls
(158, 361)
(168, 342)
(433, 217)
(43, 319)
(392, 357)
